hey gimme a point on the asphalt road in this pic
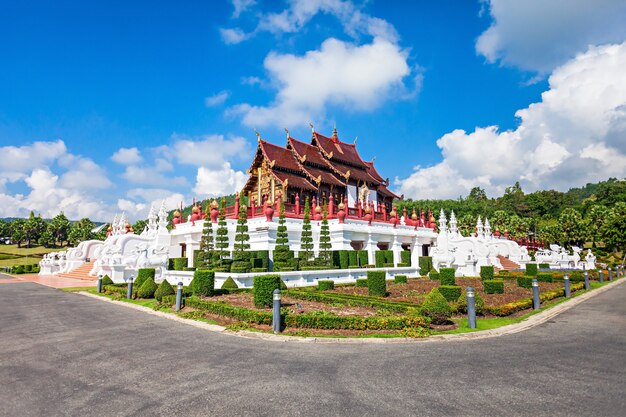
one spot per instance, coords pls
(66, 354)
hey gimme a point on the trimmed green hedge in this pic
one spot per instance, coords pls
(493, 286)
(226, 310)
(400, 279)
(353, 258)
(361, 282)
(379, 257)
(425, 264)
(344, 259)
(352, 300)
(325, 284)
(376, 283)
(119, 290)
(405, 257)
(142, 275)
(544, 266)
(203, 282)
(450, 292)
(526, 303)
(163, 290)
(461, 303)
(486, 273)
(525, 281)
(531, 270)
(240, 266)
(179, 263)
(434, 275)
(263, 289)
(446, 276)
(544, 277)
(106, 280)
(363, 257)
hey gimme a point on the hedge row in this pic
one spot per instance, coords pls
(351, 300)
(24, 269)
(493, 286)
(313, 320)
(450, 292)
(425, 264)
(376, 283)
(400, 279)
(486, 273)
(325, 284)
(526, 303)
(446, 276)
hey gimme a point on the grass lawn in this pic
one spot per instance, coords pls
(23, 251)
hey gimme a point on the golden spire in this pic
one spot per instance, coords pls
(312, 127)
(335, 131)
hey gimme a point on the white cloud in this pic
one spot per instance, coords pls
(538, 35)
(233, 36)
(217, 99)
(241, 6)
(152, 175)
(223, 180)
(127, 156)
(19, 161)
(355, 77)
(207, 150)
(573, 136)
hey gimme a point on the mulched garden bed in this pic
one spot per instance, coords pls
(245, 300)
(512, 292)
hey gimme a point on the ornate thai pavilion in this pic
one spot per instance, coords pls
(317, 170)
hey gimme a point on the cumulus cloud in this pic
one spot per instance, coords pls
(538, 35)
(217, 99)
(241, 6)
(233, 36)
(341, 73)
(573, 136)
(19, 161)
(127, 156)
(220, 181)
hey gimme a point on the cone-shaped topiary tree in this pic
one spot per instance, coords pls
(164, 289)
(147, 289)
(241, 233)
(207, 243)
(306, 237)
(282, 254)
(325, 245)
(221, 238)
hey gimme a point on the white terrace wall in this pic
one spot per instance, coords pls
(294, 278)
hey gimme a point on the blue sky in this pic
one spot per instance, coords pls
(112, 107)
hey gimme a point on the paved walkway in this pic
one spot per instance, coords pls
(48, 280)
(66, 354)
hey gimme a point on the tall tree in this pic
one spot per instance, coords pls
(615, 228)
(81, 231)
(221, 238)
(207, 242)
(573, 227)
(324, 243)
(17, 231)
(306, 237)
(139, 226)
(59, 228)
(241, 233)
(33, 228)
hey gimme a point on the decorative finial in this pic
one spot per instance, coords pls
(335, 131)
(287, 131)
(355, 139)
(312, 127)
(258, 135)
(373, 159)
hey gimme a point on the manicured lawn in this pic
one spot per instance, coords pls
(23, 251)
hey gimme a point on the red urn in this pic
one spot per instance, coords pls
(318, 213)
(176, 219)
(268, 211)
(214, 211)
(341, 214)
(368, 215)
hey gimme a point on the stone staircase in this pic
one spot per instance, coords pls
(507, 264)
(82, 272)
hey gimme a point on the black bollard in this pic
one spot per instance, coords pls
(601, 276)
(471, 308)
(99, 284)
(129, 293)
(179, 296)
(536, 299)
(276, 312)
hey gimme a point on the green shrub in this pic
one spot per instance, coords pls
(241, 266)
(531, 270)
(376, 284)
(544, 266)
(403, 265)
(525, 281)
(147, 289)
(361, 282)
(18, 269)
(179, 263)
(379, 256)
(526, 303)
(461, 303)
(446, 276)
(344, 259)
(203, 282)
(142, 275)
(504, 273)
(353, 257)
(405, 257)
(28, 268)
(400, 279)
(450, 292)
(164, 289)
(545, 277)
(283, 286)
(425, 264)
(388, 265)
(106, 280)
(229, 284)
(258, 270)
(325, 284)
(388, 256)
(578, 276)
(493, 286)
(433, 274)
(436, 307)
(486, 272)
(263, 289)
(363, 257)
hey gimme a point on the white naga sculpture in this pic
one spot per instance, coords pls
(559, 258)
(468, 254)
(121, 254)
